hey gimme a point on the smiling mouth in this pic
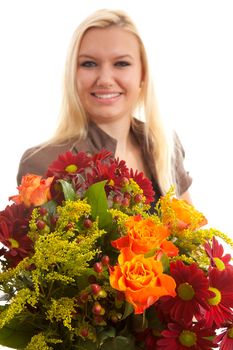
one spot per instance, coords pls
(106, 96)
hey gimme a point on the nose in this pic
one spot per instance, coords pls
(105, 77)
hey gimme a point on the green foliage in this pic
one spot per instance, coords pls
(71, 291)
(97, 199)
(84, 345)
(153, 319)
(165, 262)
(55, 275)
(16, 334)
(128, 310)
(68, 190)
(119, 343)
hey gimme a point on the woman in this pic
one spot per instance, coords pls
(107, 86)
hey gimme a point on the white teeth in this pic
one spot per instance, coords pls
(106, 96)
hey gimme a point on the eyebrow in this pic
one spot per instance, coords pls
(117, 57)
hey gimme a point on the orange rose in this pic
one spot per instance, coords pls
(182, 215)
(141, 279)
(33, 190)
(145, 235)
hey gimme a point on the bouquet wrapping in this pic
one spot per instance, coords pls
(88, 262)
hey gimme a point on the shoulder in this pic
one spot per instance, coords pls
(36, 160)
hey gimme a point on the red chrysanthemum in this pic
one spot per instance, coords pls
(69, 164)
(99, 167)
(192, 292)
(112, 170)
(13, 233)
(225, 339)
(185, 337)
(216, 254)
(145, 184)
(221, 299)
(101, 156)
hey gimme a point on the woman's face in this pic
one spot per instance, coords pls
(109, 73)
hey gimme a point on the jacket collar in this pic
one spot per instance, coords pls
(99, 139)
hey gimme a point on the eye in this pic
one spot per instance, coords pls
(88, 64)
(122, 64)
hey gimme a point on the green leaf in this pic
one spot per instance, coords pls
(16, 335)
(139, 322)
(165, 262)
(97, 199)
(50, 206)
(151, 253)
(106, 333)
(119, 343)
(84, 345)
(128, 310)
(153, 319)
(68, 190)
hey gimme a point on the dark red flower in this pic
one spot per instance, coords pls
(215, 252)
(192, 292)
(186, 337)
(69, 164)
(221, 299)
(99, 167)
(145, 184)
(101, 156)
(112, 170)
(148, 338)
(14, 222)
(225, 339)
(150, 341)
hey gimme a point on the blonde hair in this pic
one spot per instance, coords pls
(73, 119)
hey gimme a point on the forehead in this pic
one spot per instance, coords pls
(114, 40)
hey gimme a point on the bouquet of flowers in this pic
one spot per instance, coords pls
(88, 263)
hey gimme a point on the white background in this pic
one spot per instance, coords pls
(190, 43)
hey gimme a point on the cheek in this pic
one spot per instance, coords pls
(81, 85)
(136, 84)
(84, 81)
(131, 81)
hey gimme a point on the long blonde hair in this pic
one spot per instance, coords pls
(73, 119)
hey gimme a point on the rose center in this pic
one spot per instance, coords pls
(217, 298)
(185, 291)
(71, 168)
(187, 338)
(219, 264)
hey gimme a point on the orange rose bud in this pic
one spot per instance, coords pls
(33, 190)
(168, 248)
(186, 216)
(141, 279)
(145, 235)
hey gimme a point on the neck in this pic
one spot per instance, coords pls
(128, 148)
(120, 131)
